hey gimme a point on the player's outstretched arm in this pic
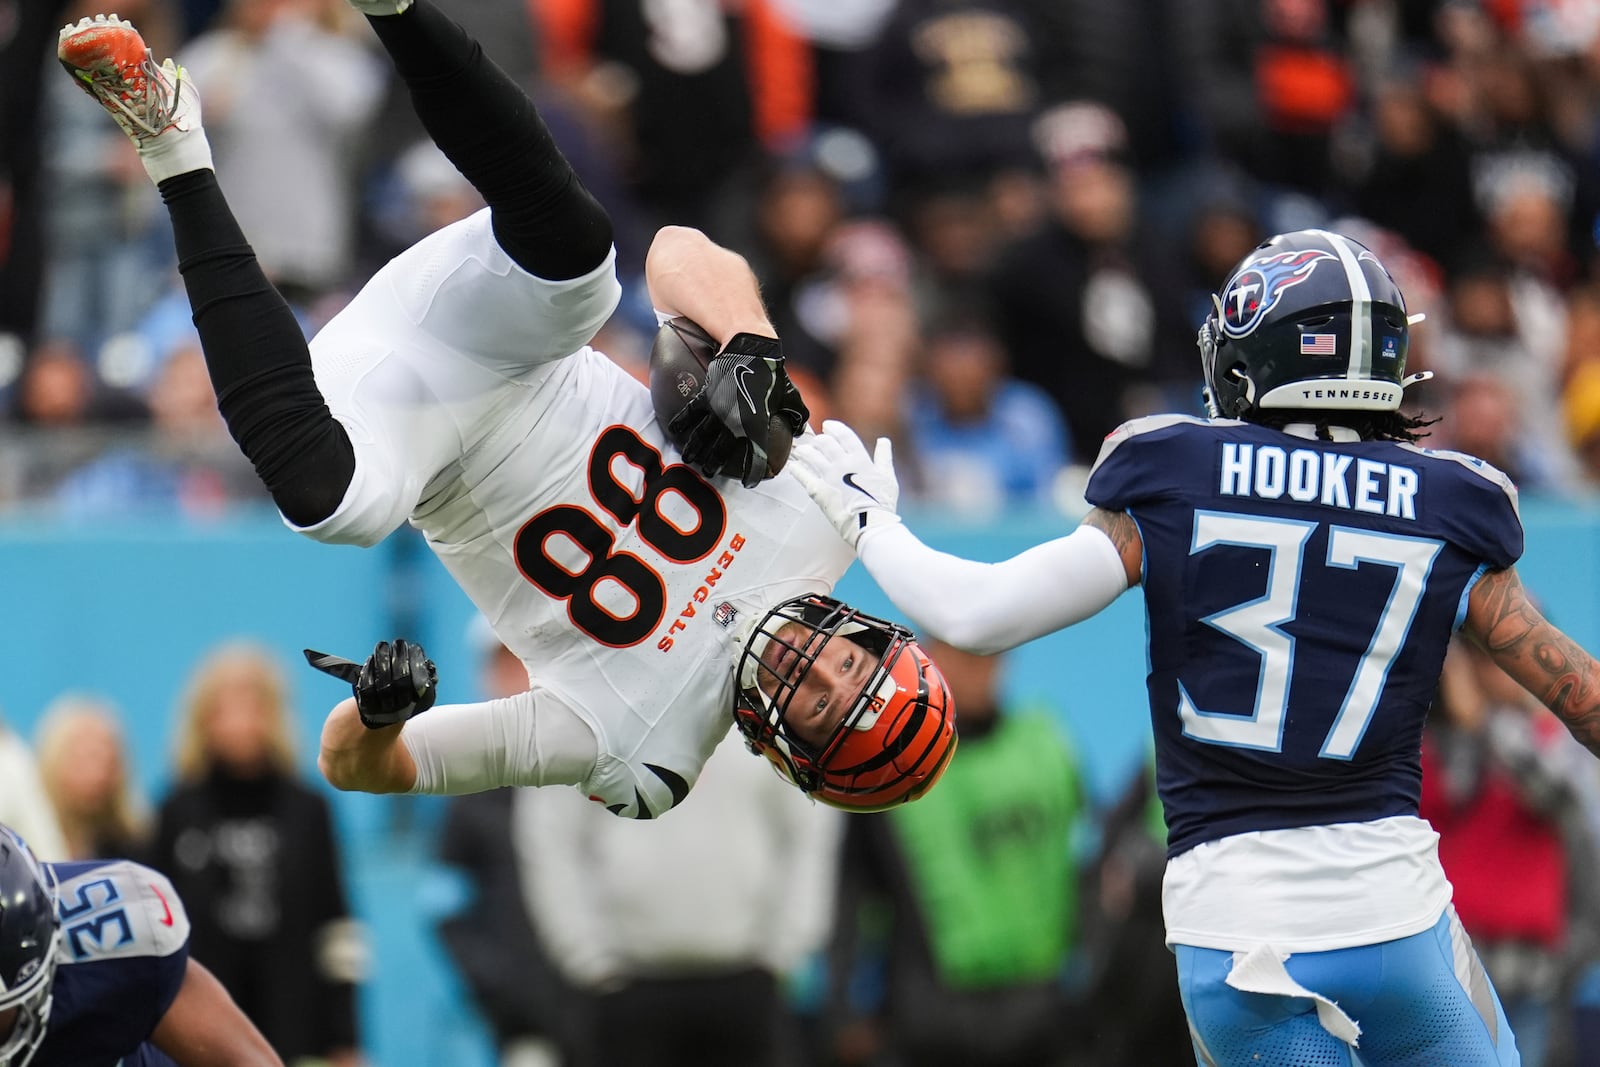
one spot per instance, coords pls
(361, 743)
(980, 607)
(1543, 660)
(379, 741)
(204, 1027)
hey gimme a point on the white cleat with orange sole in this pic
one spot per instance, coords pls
(156, 106)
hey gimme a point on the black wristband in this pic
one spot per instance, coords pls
(753, 344)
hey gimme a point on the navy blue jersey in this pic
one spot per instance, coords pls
(1300, 596)
(124, 953)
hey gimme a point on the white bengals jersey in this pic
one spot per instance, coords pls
(535, 469)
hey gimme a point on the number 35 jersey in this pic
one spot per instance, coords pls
(1300, 595)
(124, 953)
(536, 471)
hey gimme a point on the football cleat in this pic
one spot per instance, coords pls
(156, 105)
(109, 60)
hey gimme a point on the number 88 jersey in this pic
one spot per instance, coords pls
(622, 577)
(1301, 595)
(536, 471)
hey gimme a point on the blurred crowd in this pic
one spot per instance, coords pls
(1008, 919)
(248, 843)
(985, 228)
(1001, 922)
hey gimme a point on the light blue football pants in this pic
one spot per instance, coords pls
(1420, 1001)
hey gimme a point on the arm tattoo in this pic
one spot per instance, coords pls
(1124, 534)
(1545, 661)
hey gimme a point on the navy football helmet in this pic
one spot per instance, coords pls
(1307, 320)
(30, 935)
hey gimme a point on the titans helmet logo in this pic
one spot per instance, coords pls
(1256, 289)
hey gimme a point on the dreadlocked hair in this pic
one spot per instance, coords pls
(1370, 425)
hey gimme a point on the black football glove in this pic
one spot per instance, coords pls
(726, 428)
(397, 682)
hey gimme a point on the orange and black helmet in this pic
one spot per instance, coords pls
(898, 732)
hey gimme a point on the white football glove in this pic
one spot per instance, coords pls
(856, 491)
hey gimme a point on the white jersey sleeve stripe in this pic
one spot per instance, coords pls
(1149, 424)
(120, 910)
(1487, 471)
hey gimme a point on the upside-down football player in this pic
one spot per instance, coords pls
(654, 574)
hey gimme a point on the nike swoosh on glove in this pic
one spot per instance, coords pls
(855, 490)
(726, 429)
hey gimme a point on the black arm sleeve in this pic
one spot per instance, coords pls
(259, 362)
(543, 217)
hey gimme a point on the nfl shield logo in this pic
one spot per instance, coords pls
(725, 613)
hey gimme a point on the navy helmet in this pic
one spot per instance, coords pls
(1308, 320)
(30, 935)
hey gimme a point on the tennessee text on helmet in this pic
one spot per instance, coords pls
(1308, 320)
(30, 935)
(897, 734)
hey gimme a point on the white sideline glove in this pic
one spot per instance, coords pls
(854, 490)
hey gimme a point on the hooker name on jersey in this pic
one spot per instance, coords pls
(1300, 596)
(1306, 475)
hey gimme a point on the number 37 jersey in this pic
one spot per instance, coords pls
(1300, 595)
